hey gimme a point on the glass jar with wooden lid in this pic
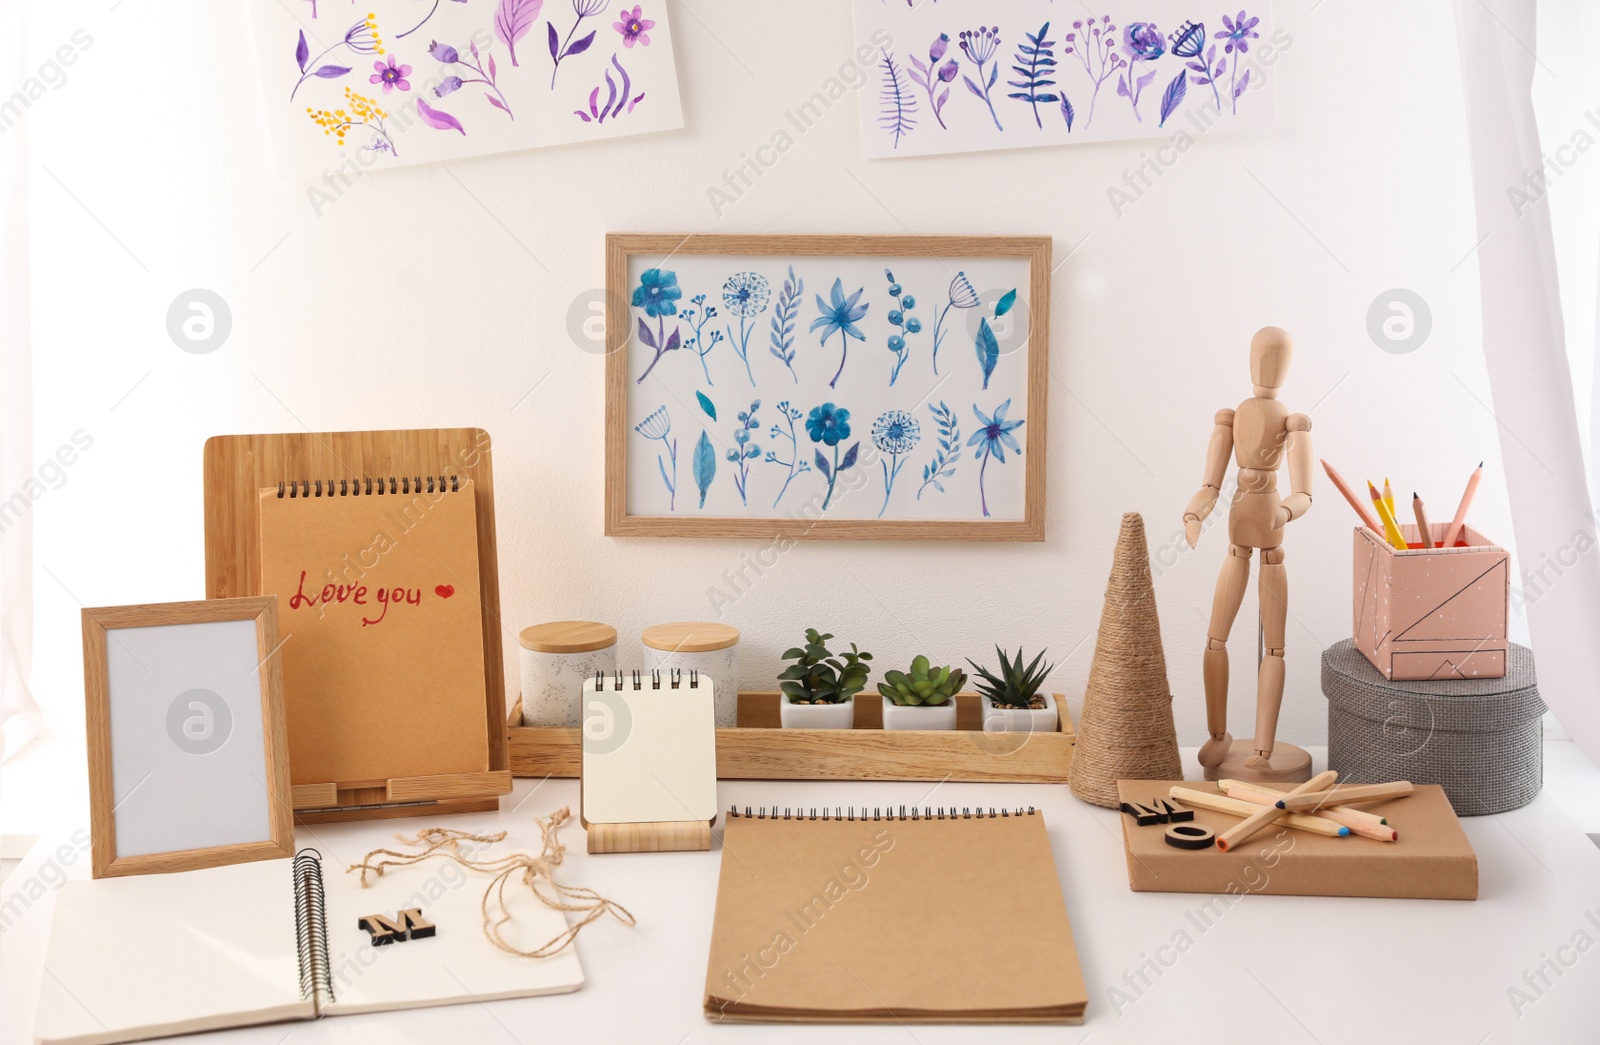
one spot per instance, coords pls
(556, 658)
(711, 649)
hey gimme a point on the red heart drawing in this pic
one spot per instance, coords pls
(444, 591)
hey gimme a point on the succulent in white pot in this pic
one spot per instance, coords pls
(922, 698)
(1011, 699)
(819, 688)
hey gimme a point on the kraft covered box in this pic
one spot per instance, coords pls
(1479, 739)
(1431, 613)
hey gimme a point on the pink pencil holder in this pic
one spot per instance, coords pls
(1432, 613)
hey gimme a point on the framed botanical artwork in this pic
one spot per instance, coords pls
(865, 387)
(188, 750)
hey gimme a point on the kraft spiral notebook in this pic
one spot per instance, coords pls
(382, 628)
(918, 917)
(151, 955)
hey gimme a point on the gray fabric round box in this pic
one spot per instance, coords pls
(1479, 739)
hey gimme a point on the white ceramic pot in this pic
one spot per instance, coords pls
(710, 649)
(556, 658)
(817, 716)
(900, 716)
(1000, 719)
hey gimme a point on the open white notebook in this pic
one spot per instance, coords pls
(151, 955)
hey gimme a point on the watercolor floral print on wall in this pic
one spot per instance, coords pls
(351, 88)
(972, 75)
(804, 387)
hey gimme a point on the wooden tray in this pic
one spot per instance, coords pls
(238, 466)
(758, 749)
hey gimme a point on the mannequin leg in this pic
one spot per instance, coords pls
(1274, 588)
(1224, 608)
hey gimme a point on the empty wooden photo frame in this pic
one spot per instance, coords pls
(188, 752)
(861, 387)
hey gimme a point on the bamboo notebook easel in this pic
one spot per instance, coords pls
(239, 467)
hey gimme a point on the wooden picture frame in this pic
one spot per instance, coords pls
(1023, 260)
(159, 792)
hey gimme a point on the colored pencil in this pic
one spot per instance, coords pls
(1391, 529)
(1356, 820)
(1388, 497)
(1370, 520)
(1300, 801)
(1241, 808)
(1424, 531)
(1460, 519)
(1269, 814)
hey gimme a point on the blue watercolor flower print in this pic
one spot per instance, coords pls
(796, 464)
(745, 294)
(830, 425)
(744, 449)
(991, 439)
(658, 426)
(1238, 32)
(705, 465)
(658, 294)
(948, 453)
(783, 317)
(841, 314)
(904, 322)
(699, 317)
(961, 295)
(895, 433)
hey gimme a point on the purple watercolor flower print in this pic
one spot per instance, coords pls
(634, 27)
(934, 78)
(980, 45)
(391, 74)
(484, 68)
(1143, 43)
(431, 11)
(563, 49)
(360, 38)
(1189, 42)
(1238, 32)
(1094, 41)
(617, 101)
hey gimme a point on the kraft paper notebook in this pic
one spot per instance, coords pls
(151, 955)
(929, 918)
(382, 629)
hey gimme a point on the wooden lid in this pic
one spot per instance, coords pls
(690, 636)
(568, 636)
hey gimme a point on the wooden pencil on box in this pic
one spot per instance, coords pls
(1240, 808)
(1303, 800)
(1359, 821)
(1265, 818)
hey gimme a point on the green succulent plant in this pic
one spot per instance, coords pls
(819, 677)
(923, 686)
(1014, 686)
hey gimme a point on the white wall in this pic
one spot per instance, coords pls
(440, 296)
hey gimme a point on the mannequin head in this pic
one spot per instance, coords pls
(1270, 353)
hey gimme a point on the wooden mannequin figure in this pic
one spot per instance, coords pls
(1259, 434)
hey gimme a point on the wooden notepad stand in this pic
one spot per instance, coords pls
(649, 762)
(239, 467)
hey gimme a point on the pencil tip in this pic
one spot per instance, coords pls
(1343, 831)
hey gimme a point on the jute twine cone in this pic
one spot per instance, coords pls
(1126, 731)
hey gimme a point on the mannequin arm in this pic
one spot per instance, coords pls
(1205, 499)
(1299, 499)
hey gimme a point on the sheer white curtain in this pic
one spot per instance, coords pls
(1525, 332)
(19, 715)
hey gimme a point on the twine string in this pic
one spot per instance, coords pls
(530, 870)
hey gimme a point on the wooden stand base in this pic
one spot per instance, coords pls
(685, 836)
(1289, 765)
(385, 812)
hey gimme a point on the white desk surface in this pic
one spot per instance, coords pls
(1268, 969)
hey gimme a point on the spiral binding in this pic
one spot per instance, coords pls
(953, 813)
(674, 680)
(311, 927)
(365, 487)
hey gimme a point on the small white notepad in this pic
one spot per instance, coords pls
(649, 749)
